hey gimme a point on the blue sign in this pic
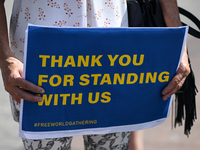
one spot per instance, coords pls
(98, 80)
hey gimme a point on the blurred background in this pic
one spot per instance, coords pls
(158, 138)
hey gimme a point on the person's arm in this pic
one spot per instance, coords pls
(12, 68)
(172, 19)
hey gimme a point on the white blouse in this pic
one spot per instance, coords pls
(61, 13)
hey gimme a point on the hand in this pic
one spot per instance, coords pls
(12, 72)
(177, 81)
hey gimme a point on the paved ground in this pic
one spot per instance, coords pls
(157, 138)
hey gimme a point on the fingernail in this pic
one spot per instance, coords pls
(164, 98)
(42, 91)
(39, 99)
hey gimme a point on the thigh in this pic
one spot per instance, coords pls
(112, 141)
(47, 144)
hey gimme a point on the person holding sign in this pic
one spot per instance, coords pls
(172, 19)
(62, 13)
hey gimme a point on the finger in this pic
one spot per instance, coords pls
(173, 90)
(174, 83)
(16, 98)
(166, 96)
(22, 94)
(26, 85)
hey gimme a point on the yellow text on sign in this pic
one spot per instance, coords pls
(74, 98)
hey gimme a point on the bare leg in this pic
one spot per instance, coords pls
(136, 140)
